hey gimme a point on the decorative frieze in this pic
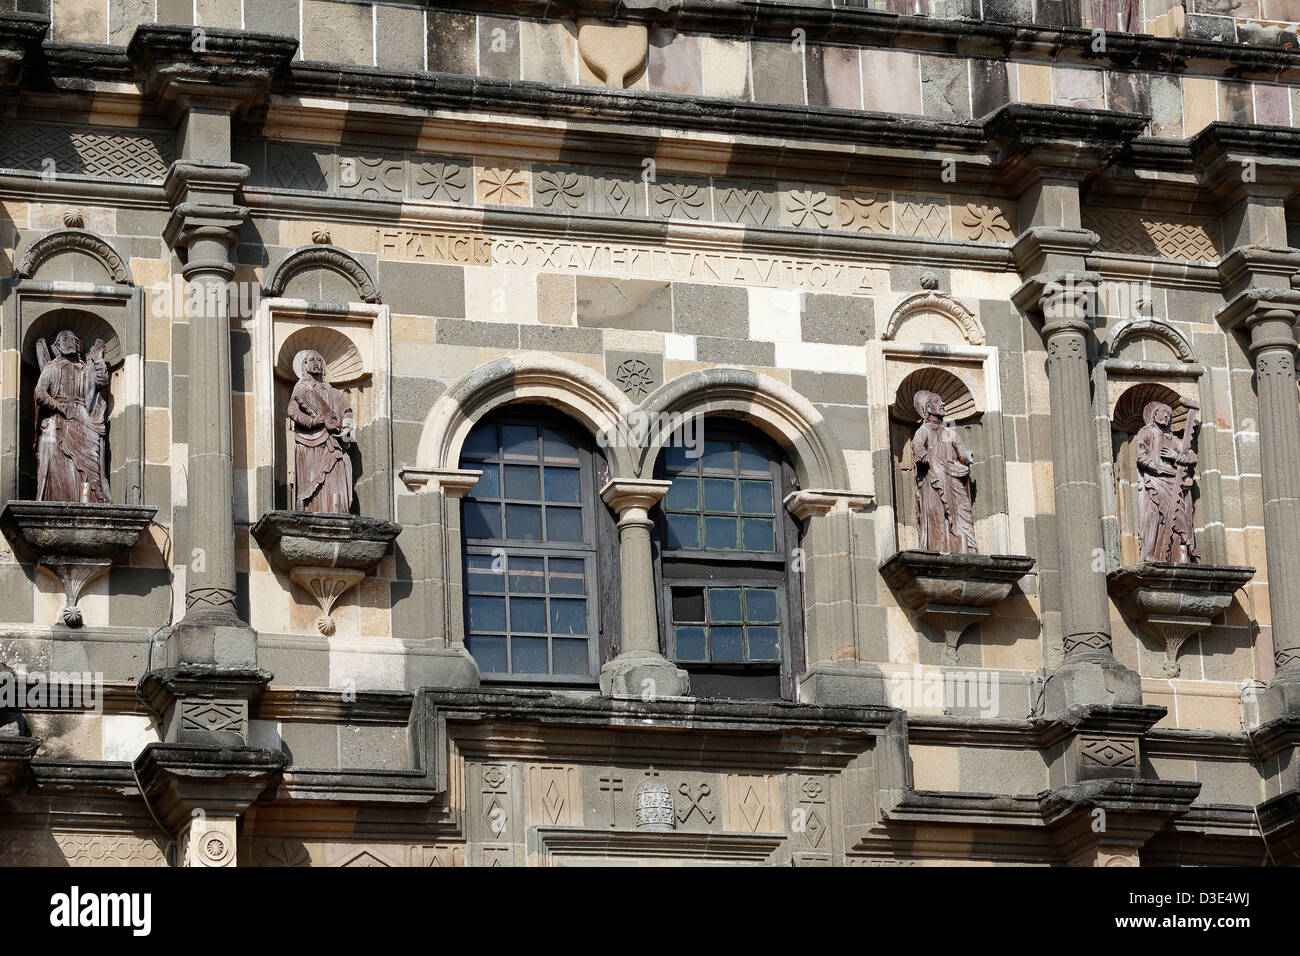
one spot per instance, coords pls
(103, 152)
(1154, 235)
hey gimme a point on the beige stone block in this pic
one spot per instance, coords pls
(45, 217)
(81, 21)
(1044, 490)
(15, 211)
(66, 736)
(725, 67)
(554, 795)
(1207, 706)
(1161, 693)
(151, 550)
(1033, 83)
(501, 294)
(157, 435)
(1200, 104)
(401, 37)
(633, 340)
(374, 599)
(10, 366)
(269, 602)
(1255, 552)
(338, 32)
(241, 425)
(219, 13)
(676, 369)
(934, 768)
(502, 184)
(903, 647)
(413, 328)
(557, 299)
(345, 235)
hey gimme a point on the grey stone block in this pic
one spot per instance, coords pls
(710, 310)
(735, 351)
(492, 335)
(838, 319)
(836, 388)
(557, 338)
(498, 49)
(422, 288)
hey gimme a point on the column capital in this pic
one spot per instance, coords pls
(1064, 298)
(629, 494)
(452, 482)
(1047, 249)
(1254, 307)
(818, 502)
(1258, 266)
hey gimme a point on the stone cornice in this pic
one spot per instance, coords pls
(231, 70)
(1253, 305)
(452, 482)
(1062, 141)
(20, 36)
(818, 502)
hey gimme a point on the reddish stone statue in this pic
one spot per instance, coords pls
(70, 426)
(322, 431)
(1165, 464)
(941, 462)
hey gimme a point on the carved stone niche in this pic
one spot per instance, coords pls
(953, 591)
(74, 541)
(1170, 602)
(324, 554)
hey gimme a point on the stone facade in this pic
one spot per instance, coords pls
(786, 221)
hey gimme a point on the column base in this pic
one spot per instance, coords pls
(445, 668)
(1089, 679)
(643, 674)
(844, 684)
(212, 637)
(1281, 698)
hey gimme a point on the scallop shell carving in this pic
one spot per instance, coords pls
(343, 363)
(957, 399)
(85, 326)
(1127, 416)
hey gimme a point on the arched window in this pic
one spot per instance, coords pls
(532, 532)
(730, 613)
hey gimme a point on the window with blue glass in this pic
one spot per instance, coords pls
(531, 540)
(724, 548)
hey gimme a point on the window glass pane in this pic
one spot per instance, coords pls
(480, 443)
(570, 655)
(690, 645)
(726, 644)
(523, 482)
(526, 575)
(481, 575)
(683, 531)
(489, 486)
(756, 497)
(519, 441)
(563, 524)
(760, 605)
(719, 494)
(487, 613)
(558, 446)
(759, 535)
(528, 655)
(562, 485)
(528, 614)
(763, 643)
(717, 454)
(752, 458)
(568, 576)
(724, 604)
(568, 616)
(524, 522)
(684, 495)
(677, 458)
(720, 533)
(490, 653)
(688, 605)
(482, 520)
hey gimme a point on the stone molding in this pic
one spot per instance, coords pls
(83, 241)
(328, 257)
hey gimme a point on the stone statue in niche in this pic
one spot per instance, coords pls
(941, 463)
(323, 428)
(70, 421)
(1166, 466)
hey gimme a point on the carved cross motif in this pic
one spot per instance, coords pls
(613, 786)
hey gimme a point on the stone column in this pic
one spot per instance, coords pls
(203, 227)
(1089, 674)
(1269, 315)
(640, 669)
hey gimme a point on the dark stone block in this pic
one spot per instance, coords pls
(735, 351)
(710, 309)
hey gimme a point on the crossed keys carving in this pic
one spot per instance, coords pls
(696, 802)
